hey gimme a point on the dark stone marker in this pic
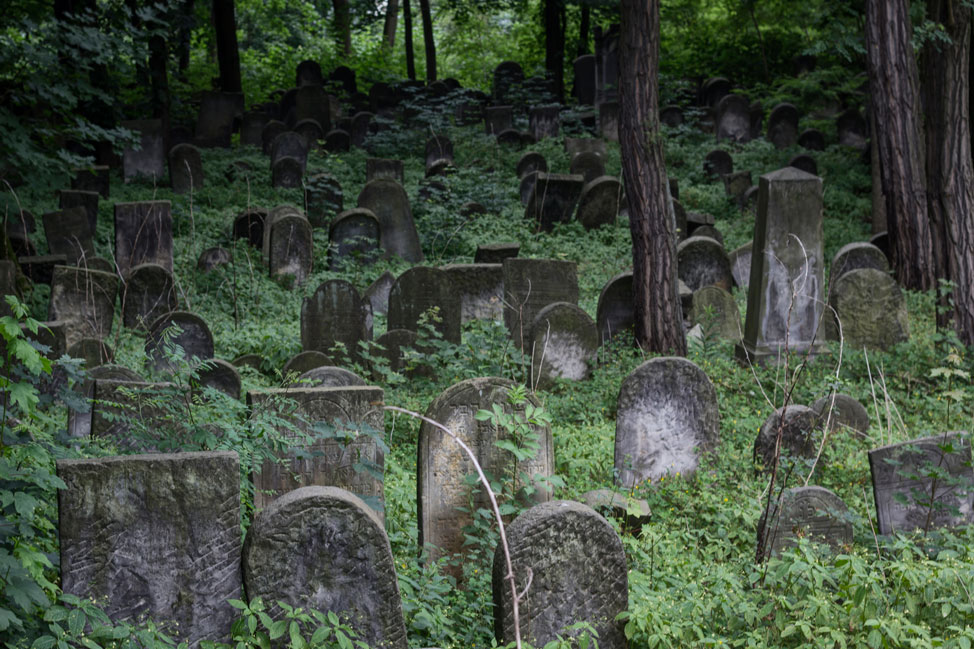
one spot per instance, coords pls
(614, 315)
(810, 512)
(84, 300)
(526, 187)
(397, 230)
(289, 145)
(303, 362)
(801, 436)
(252, 128)
(812, 139)
(529, 286)
(733, 119)
(783, 126)
(155, 535)
(671, 116)
(270, 132)
(609, 120)
(92, 179)
(324, 199)
(393, 345)
(908, 498)
(253, 361)
(310, 130)
(852, 129)
(68, 233)
(148, 293)
(588, 164)
(360, 127)
(291, 248)
(376, 168)
(713, 90)
(249, 225)
(354, 234)
(667, 417)
(530, 161)
(496, 253)
(584, 84)
(335, 314)
(415, 292)
(854, 256)
(563, 343)
(308, 73)
(150, 160)
(736, 185)
(578, 574)
(498, 119)
(481, 290)
(337, 141)
(39, 269)
(122, 406)
(574, 146)
(600, 202)
(185, 169)
(218, 110)
(702, 261)
(68, 198)
(286, 173)
(871, 308)
(544, 121)
(553, 199)
(222, 376)
(213, 258)
(194, 337)
(329, 376)
(840, 411)
(804, 162)
(507, 76)
(322, 548)
(143, 235)
(717, 163)
(438, 147)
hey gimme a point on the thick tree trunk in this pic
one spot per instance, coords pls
(554, 50)
(343, 26)
(158, 74)
(424, 10)
(583, 29)
(894, 80)
(659, 322)
(392, 18)
(407, 26)
(950, 171)
(228, 58)
(185, 31)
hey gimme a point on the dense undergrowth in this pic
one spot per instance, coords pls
(693, 577)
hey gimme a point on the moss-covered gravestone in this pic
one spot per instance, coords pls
(529, 286)
(715, 310)
(335, 315)
(417, 291)
(397, 230)
(291, 248)
(148, 293)
(871, 309)
(801, 437)
(840, 411)
(84, 300)
(806, 512)
(564, 342)
(856, 255)
(600, 202)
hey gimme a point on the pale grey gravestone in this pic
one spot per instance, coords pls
(856, 255)
(498, 119)
(310, 130)
(702, 261)
(335, 314)
(92, 179)
(291, 248)
(213, 258)
(397, 230)
(308, 73)
(713, 90)
(614, 315)
(671, 116)
(337, 140)
(588, 164)
(329, 376)
(270, 219)
(337, 454)
(353, 234)
(249, 225)
(377, 168)
(303, 362)
(840, 411)
(804, 162)
(147, 293)
(606, 64)
(871, 309)
(600, 202)
(185, 169)
(544, 121)
(553, 199)
(529, 286)
(323, 549)
(481, 290)
(530, 161)
(574, 146)
(443, 466)
(809, 512)
(194, 338)
(289, 145)
(717, 163)
(323, 199)
(222, 376)
(360, 127)
(576, 567)
(715, 310)
(270, 132)
(438, 147)
(801, 438)
(420, 289)
(496, 253)
(252, 127)
(214, 125)
(923, 484)
(79, 423)
(68, 233)
(667, 417)
(812, 139)
(68, 198)
(92, 351)
(609, 120)
(507, 76)
(852, 128)
(149, 160)
(583, 87)
(733, 119)
(563, 343)
(785, 300)
(740, 260)
(378, 293)
(155, 535)
(783, 126)
(84, 300)
(143, 235)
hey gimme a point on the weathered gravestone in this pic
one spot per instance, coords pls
(270, 219)
(93, 351)
(856, 255)
(329, 376)
(614, 315)
(353, 235)
(553, 199)
(715, 310)
(529, 286)
(496, 253)
(420, 289)
(289, 145)
(530, 161)
(785, 299)
(839, 411)
(249, 225)
(442, 469)
(308, 73)
(347, 456)
(218, 111)
(583, 87)
(68, 233)
(804, 162)
(671, 116)
(667, 417)
(303, 362)
(609, 120)
(852, 129)
(576, 145)
(809, 512)
(378, 293)
(588, 164)
(71, 198)
(812, 139)
(498, 119)
(143, 235)
(181, 329)
(507, 77)
(337, 141)
(702, 261)
(481, 290)
(148, 293)
(606, 64)
(717, 163)
(130, 413)
(185, 169)
(599, 203)
(871, 309)
(923, 484)
(736, 185)
(155, 535)
(323, 549)
(733, 119)
(360, 127)
(79, 423)
(544, 121)
(713, 90)
(270, 132)
(783, 126)
(576, 567)
(801, 437)
(397, 230)
(213, 258)
(311, 131)
(379, 168)
(526, 186)
(740, 261)
(563, 341)
(252, 127)
(149, 160)
(92, 179)
(333, 315)
(84, 300)
(220, 375)
(287, 172)
(290, 248)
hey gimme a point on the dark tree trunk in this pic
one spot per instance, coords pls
(430, 45)
(894, 80)
(407, 26)
(141, 69)
(583, 29)
(392, 18)
(659, 322)
(225, 26)
(950, 171)
(158, 74)
(554, 50)
(185, 32)
(343, 26)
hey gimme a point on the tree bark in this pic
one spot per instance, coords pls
(583, 30)
(950, 170)
(424, 10)
(392, 18)
(894, 79)
(554, 51)
(407, 26)
(343, 26)
(227, 55)
(159, 77)
(659, 321)
(185, 31)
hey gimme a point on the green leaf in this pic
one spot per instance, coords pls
(875, 639)
(76, 621)
(43, 642)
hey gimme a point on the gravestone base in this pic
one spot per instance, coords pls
(766, 354)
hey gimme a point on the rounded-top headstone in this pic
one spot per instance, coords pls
(800, 435)
(195, 338)
(185, 169)
(213, 258)
(671, 116)
(733, 118)
(715, 310)
(852, 128)
(328, 376)
(390, 204)
(270, 132)
(813, 512)
(587, 164)
(804, 162)
(600, 202)
(702, 261)
(418, 290)
(812, 139)
(304, 362)
(335, 314)
(842, 411)
(310, 130)
(221, 375)
(871, 308)
(324, 549)
(353, 234)
(93, 351)
(783, 125)
(667, 417)
(614, 315)
(717, 163)
(531, 161)
(881, 241)
(578, 574)
(249, 360)
(249, 225)
(148, 293)
(856, 255)
(563, 344)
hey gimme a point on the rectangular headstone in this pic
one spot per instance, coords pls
(481, 289)
(584, 85)
(498, 119)
(150, 159)
(93, 179)
(609, 120)
(155, 535)
(529, 286)
(214, 125)
(86, 200)
(544, 121)
(84, 300)
(384, 168)
(69, 233)
(120, 406)
(143, 234)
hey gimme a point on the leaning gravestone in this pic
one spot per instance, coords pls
(563, 343)
(481, 290)
(733, 119)
(600, 202)
(856, 255)
(614, 315)
(496, 253)
(222, 376)
(68, 233)
(149, 160)
(783, 126)
(218, 113)
(143, 235)
(553, 199)
(194, 338)
(443, 466)
(785, 299)
(68, 198)
(333, 315)
(290, 248)
(870, 306)
(715, 310)
(438, 147)
(397, 230)
(544, 121)
(311, 131)
(148, 293)
(810, 512)
(702, 261)
(530, 161)
(801, 437)
(354, 234)
(923, 484)
(804, 162)
(526, 186)
(529, 286)
(185, 169)
(155, 535)
(571, 565)
(667, 417)
(79, 423)
(348, 457)
(587, 164)
(323, 549)
(84, 300)
(840, 411)
(420, 289)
